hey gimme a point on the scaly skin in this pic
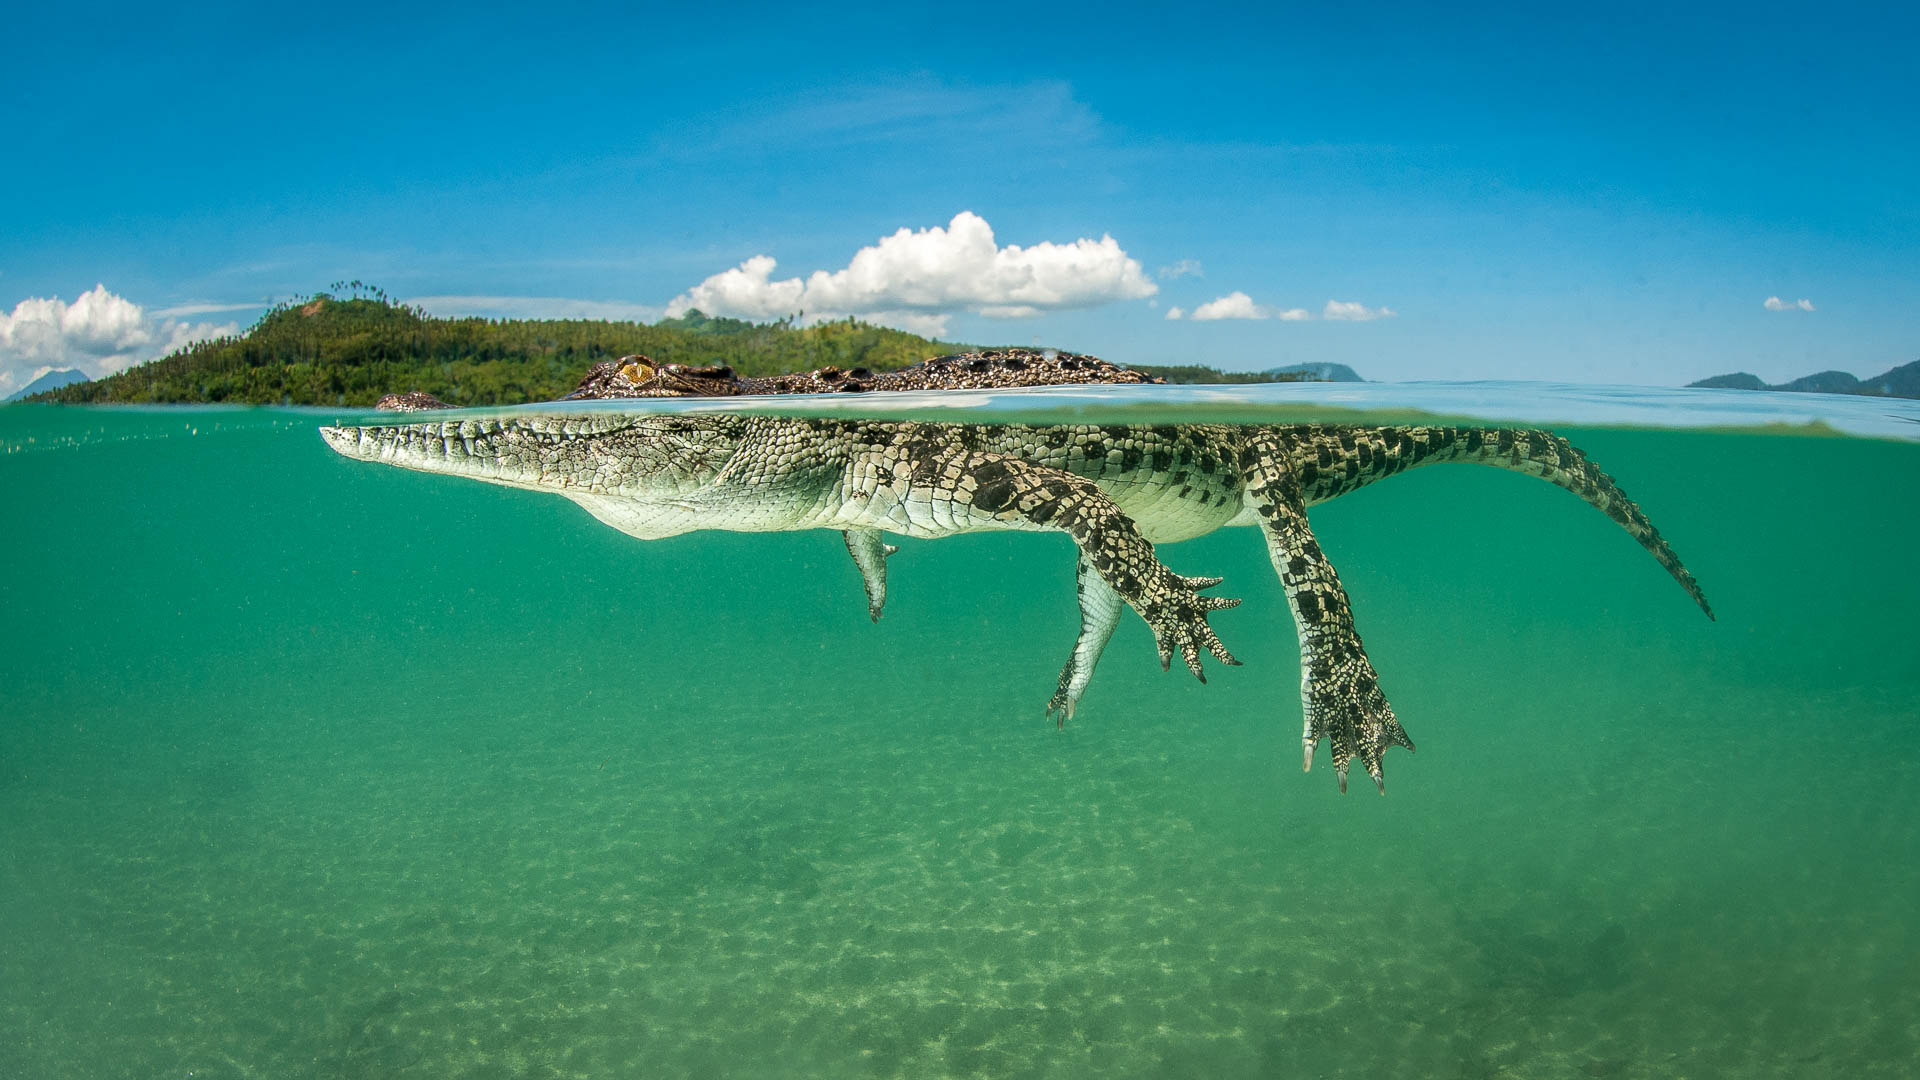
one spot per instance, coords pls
(637, 376)
(1116, 490)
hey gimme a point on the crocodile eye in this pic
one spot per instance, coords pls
(638, 371)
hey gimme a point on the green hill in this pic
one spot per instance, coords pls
(1903, 381)
(325, 350)
(348, 351)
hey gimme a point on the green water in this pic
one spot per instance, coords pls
(312, 768)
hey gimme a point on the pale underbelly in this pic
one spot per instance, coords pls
(1164, 516)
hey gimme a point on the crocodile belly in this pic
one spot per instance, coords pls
(1166, 514)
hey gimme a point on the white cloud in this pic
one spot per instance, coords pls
(1176, 313)
(1353, 311)
(913, 322)
(535, 307)
(99, 333)
(203, 308)
(918, 280)
(175, 335)
(1183, 268)
(1234, 305)
(1774, 303)
(1238, 305)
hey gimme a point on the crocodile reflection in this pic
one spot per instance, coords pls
(1117, 490)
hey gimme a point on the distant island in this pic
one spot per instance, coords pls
(1322, 372)
(52, 380)
(1903, 381)
(1200, 373)
(349, 350)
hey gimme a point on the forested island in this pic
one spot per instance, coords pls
(1903, 381)
(349, 350)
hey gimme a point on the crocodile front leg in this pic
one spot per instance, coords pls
(928, 489)
(1339, 690)
(870, 551)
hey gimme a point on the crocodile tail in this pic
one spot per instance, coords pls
(1344, 459)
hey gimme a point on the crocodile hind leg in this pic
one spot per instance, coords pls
(870, 550)
(1100, 610)
(929, 488)
(1339, 690)
(1099, 616)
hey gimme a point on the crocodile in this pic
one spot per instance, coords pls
(1116, 490)
(637, 376)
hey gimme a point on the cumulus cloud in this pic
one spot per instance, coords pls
(1183, 268)
(1234, 305)
(535, 307)
(1353, 311)
(99, 333)
(203, 308)
(1774, 303)
(918, 280)
(1238, 305)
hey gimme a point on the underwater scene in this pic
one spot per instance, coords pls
(315, 767)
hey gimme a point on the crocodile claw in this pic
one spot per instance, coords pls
(1178, 616)
(1061, 710)
(1344, 706)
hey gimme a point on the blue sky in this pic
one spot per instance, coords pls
(1608, 195)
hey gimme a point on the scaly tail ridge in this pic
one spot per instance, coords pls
(1334, 461)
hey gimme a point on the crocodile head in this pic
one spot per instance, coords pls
(635, 472)
(637, 377)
